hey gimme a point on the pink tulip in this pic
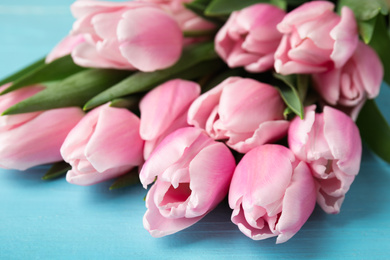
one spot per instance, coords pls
(187, 20)
(315, 39)
(250, 38)
(127, 35)
(245, 112)
(103, 145)
(31, 139)
(271, 193)
(65, 47)
(330, 143)
(349, 87)
(164, 110)
(193, 175)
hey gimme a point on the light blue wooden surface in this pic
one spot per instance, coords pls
(57, 220)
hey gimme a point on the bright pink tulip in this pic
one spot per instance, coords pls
(249, 38)
(128, 35)
(65, 47)
(330, 143)
(349, 87)
(103, 145)
(164, 110)
(315, 39)
(193, 175)
(245, 112)
(271, 193)
(31, 139)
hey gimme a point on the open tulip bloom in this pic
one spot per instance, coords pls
(263, 103)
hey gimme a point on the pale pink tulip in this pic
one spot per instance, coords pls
(271, 193)
(193, 175)
(330, 143)
(125, 35)
(349, 87)
(103, 145)
(65, 47)
(315, 39)
(244, 112)
(249, 38)
(31, 139)
(164, 110)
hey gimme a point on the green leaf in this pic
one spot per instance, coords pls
(365, 10)
(57, 70)
(302, 85)
(374, 130)
(226, 7)
(381, 43)
(282, 4)
(223, 8)
(366, 29)
(144, 81)
(287, 113)
(130, 102)
(72, 91)
(57, 170)
(289, 93)
(23, 71)
(199, 7)
(126, 180)
(198, 4)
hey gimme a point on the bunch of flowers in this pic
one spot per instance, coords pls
(265, 103)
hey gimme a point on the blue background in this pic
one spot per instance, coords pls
(54, 219)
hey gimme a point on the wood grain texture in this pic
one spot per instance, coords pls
(57, 220)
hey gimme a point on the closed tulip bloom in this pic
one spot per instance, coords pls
(330, 143)
(271, 193)
(125, 35)
(103, 145)
(244, 112)
(164, 110)
(350, 86)
(250, 38)
(315, 39)
(193, 175)
(31, 139)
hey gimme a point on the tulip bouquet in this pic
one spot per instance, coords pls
(265, 102)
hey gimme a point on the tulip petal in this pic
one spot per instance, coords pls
(210, 173)
(203, 106)
(370, 67)
(267, 132)
(344, 140)
(345, 36)
(298, 203)
(162, 106)
(115, 141)
(65, 47)
(137, 33)
(167, 153)
(86, 55)
(159, 226)
(312, 10)
(240, 103)
(19, 149)
(95, 177)
(267, 170)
